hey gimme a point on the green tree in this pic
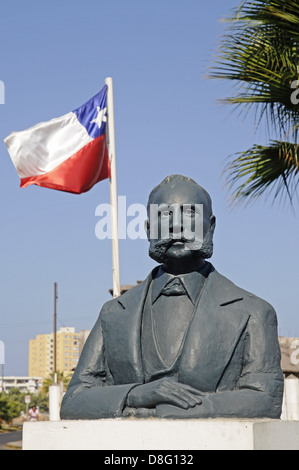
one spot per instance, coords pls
(42, 401)
(14, 394)
(9, 409)
(4, 412)
(12, 404)
(260, 54)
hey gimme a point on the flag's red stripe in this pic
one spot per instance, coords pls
(78, 173)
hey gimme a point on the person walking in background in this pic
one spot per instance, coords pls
(33, 414)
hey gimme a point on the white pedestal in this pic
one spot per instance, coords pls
(161, 434)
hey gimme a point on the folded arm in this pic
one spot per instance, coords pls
(91, 393)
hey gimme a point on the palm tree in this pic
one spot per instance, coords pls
(260, 53)
(61, 378)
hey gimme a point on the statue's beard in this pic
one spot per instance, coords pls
(203, 250)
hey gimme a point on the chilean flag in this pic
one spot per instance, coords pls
(68, 153)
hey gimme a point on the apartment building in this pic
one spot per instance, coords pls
(24, 384)
(69, 345)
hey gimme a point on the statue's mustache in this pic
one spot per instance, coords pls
(159, 247)
(166, 243)
(162, 245)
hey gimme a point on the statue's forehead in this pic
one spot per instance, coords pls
(179, 193)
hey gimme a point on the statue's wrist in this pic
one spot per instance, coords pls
(131, 398)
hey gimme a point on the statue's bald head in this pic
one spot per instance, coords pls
(181, 185)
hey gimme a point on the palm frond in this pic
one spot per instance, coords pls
(260, 53)
(275, 167)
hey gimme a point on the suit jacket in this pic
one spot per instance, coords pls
(231, 353)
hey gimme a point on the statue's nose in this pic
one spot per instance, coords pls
(175, 223)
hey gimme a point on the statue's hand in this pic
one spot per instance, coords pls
(164, 391)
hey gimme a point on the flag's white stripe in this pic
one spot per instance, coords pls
(46, 145)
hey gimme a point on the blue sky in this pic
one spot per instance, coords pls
(55, 56)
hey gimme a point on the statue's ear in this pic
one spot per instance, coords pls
(147, 228)
(212, 223)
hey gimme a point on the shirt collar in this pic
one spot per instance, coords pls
(190, 281)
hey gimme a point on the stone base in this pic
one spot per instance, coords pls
(161, 434)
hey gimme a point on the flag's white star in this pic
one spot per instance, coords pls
(100, 117)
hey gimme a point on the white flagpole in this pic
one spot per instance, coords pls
(113, 188)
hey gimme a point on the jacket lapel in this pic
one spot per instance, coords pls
(217, 325)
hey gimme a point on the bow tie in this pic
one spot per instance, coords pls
(174, 287)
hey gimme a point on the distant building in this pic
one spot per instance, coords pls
(290, 366)
(69, 347)
(289, 356)
(125, 287)
(24, 384)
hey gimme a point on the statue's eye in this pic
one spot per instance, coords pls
(166, 213)
(189, 212)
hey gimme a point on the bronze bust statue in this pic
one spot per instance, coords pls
(186, 342)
